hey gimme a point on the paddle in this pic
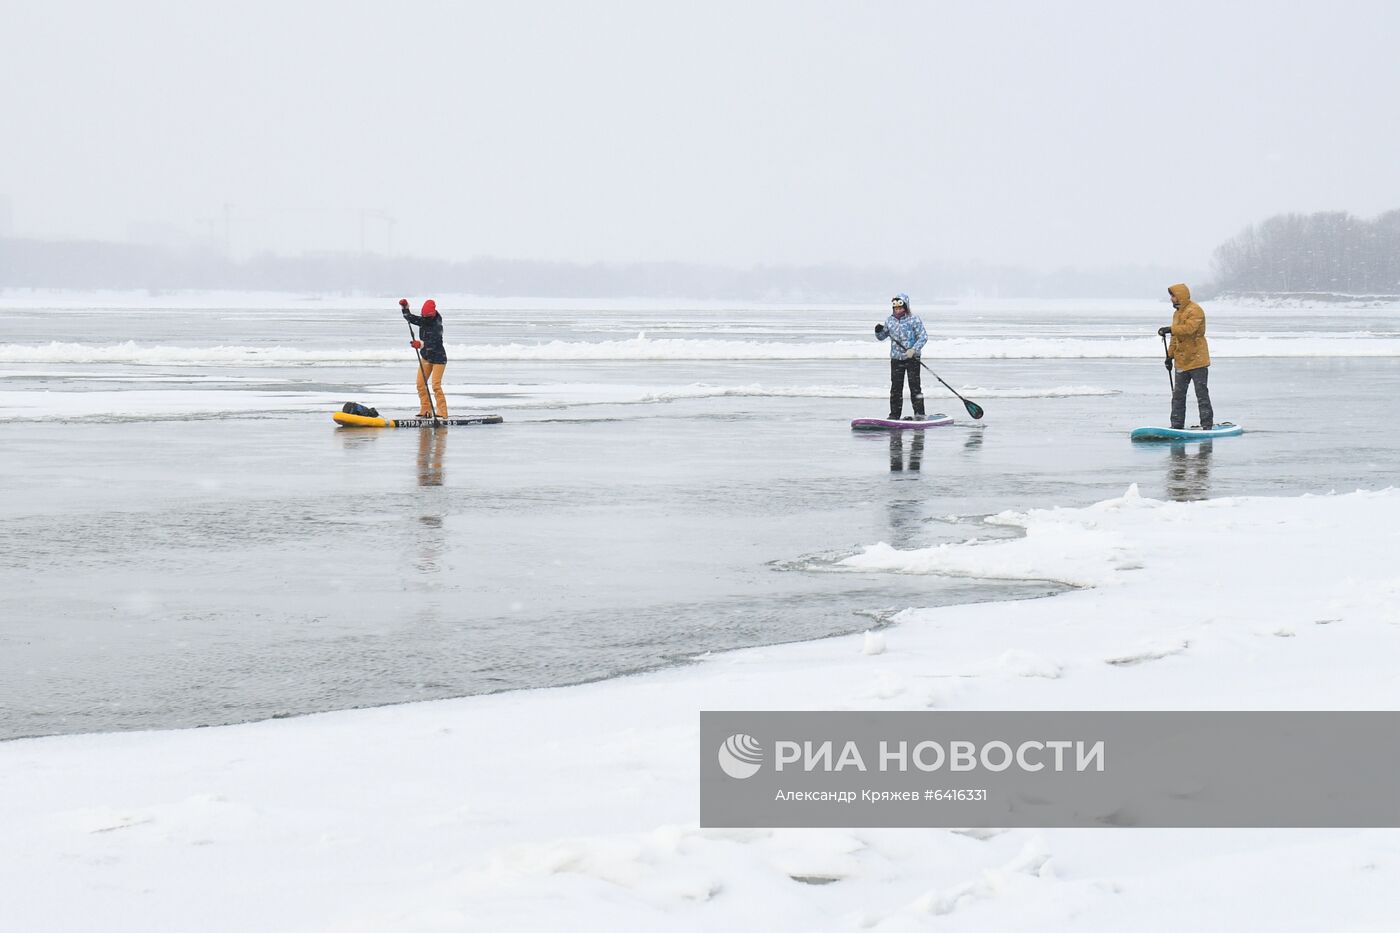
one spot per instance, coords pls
(973, 408)
(1171, 385)
(413, 338)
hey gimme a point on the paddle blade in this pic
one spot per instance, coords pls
(974, 409)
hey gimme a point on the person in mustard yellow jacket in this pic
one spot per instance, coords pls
(1189, 352)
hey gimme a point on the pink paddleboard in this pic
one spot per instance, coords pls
(886, 424)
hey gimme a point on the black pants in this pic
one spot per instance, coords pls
(898, 369)
(916, 451)
(1183, 379)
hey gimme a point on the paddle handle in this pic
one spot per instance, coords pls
(427, 389)
(1170, 385)
(973, 409)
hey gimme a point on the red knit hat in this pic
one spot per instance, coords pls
(430, 308)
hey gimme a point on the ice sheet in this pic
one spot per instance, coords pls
(576, 807)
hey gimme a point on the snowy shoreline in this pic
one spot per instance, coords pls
(576, 806)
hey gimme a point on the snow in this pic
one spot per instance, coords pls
(184, 404)
(179, 299)
(195, 396)
(643, 348)
(575, 808)
(1058, 545)
(756, 390)
(132, 353)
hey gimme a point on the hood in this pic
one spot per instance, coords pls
(1180, 293)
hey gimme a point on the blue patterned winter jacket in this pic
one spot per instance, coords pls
(908, 330)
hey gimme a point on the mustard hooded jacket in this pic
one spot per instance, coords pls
(1188, 346)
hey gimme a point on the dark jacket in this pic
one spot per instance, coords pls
(430, 332)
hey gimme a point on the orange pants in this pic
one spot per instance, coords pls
(434, 373)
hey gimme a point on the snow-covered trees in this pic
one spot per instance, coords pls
(1324, 252)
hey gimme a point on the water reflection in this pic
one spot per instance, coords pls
(1188, 474)
(432, 456)
(899, 463)
(906, 513)
(356, 438)
(432, 446)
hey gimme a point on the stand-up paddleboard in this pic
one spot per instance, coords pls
(360, 421)
(1224, 429)
(889, 424)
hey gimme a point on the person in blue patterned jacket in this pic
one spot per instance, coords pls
(907, 343)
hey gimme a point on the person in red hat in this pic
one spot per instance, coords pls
(432, 356)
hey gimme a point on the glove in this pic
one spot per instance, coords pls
(879, 330)
(911, 354)
(416, 344)
(1168, 364)
(1164, 331)
(403, 303)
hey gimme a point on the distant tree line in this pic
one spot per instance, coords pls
(26, 263)
(1330, 252)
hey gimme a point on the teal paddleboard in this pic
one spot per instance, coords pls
(1225, 429)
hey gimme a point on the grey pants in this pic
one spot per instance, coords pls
(1201, 378)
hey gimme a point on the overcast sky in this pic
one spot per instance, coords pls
(1042, 134)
